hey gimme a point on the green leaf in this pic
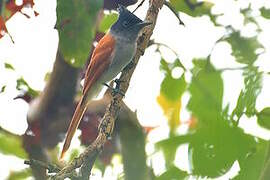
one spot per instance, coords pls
(252, 164)
(247, 99)
(47, 76)
(206, 91)
(168, 67)
(3, 88)
(74, 154)
(18, 175)
(216, 143)
(215, 148)
(243, 48)
(248, 17)
(76, 21)
(107, 22)
(23, 85)
(173, 173)
(12, 145)
(192, 7)
(170, 145)
(172, 88)
(174, 142)
(9, 66)
(265, 12)
(171, 91)
(263, 118)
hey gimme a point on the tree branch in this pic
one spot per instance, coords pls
(169, 5)
(37, 152)
(50, 167)
(132, 142)
(107, 123)
(132, 138)
(139, 5)
(51, 110)
(55, 102)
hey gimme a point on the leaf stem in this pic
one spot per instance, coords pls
(173, 51)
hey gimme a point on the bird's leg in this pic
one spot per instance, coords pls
(114, 90)
(118, 82)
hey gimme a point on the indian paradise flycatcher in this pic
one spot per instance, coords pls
(113, 52)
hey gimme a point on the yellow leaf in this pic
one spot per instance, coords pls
(171, 110)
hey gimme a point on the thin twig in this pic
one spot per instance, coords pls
(168, 47)
(232, 69)
(107, 123)
(50, 167)
(139, 5)
(168, 4)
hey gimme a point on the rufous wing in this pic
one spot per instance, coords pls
(100, 61)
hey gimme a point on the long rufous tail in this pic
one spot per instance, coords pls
(77, 116)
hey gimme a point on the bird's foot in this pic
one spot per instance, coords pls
(118, 82)
(114, 90)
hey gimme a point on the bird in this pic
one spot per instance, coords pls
(110, 56)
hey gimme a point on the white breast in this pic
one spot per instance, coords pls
(123, 54)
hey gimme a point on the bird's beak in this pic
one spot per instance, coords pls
(144, 23)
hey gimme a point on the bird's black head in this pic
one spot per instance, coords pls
(128, 24)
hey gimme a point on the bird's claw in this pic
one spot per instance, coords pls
(114, 90)
(118, 81)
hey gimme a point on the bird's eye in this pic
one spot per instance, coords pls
(125, 24)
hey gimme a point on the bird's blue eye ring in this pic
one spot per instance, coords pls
(125, 23)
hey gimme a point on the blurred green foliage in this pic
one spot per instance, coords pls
(171, 91)
(172, 88)
(19, 175)
(107, 21)
(22, 85)
(192, 7)
(9, 66)
(3, 88)
(172, 173)
(248, 17)
(247, 99)
(243, 48)
(252, 164)
(265, 12)
(216, 142)
(11, 145)
(263, 118)
(206, 91)
(76, 24)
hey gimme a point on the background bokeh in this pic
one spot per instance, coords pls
(225, 49)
